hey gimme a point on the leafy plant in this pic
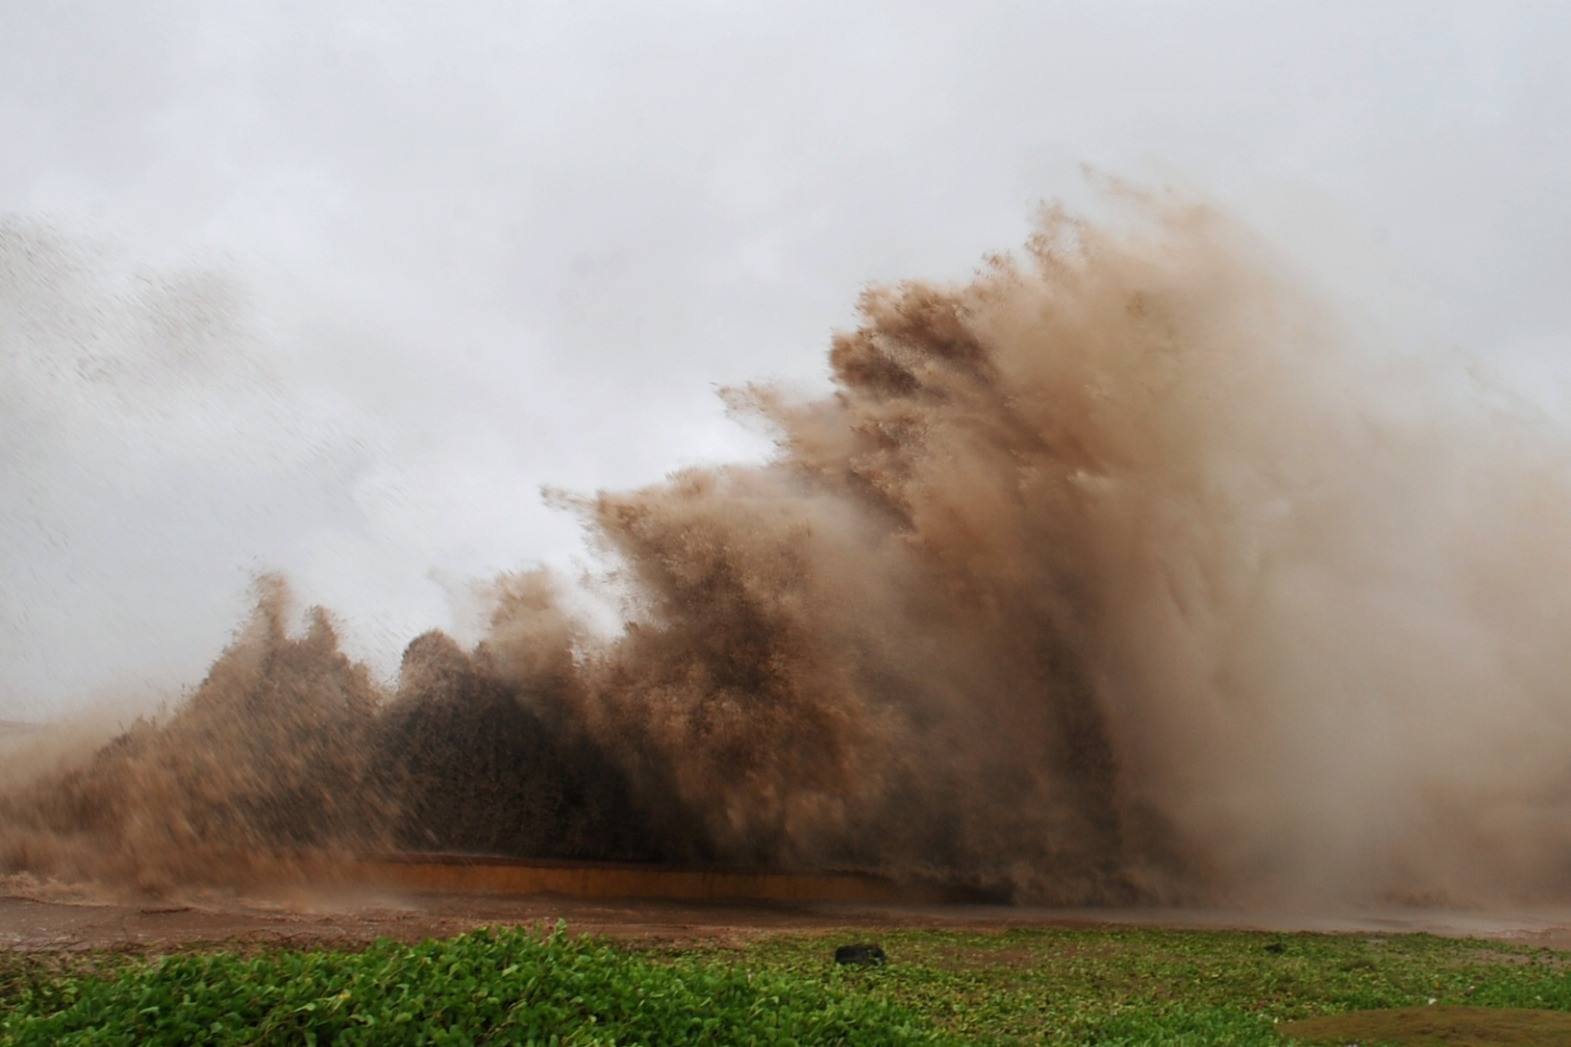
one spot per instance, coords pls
(502, 986)
(512, 986)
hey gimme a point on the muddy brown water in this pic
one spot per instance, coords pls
(410, 898)
(479, 874)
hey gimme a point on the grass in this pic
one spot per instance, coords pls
(1055, 986)
(1119, 986)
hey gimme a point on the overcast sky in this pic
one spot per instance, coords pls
(335, 287)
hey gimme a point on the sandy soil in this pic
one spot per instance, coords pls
(35, 918)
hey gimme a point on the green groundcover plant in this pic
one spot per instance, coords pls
(502, 986)
(1138, 986)
(513, 986)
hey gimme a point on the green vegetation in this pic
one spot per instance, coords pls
(504, 987)
(1109, 986)
(1099, 986)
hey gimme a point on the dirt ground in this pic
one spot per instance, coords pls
(57, 919)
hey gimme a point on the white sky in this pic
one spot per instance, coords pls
(334, 287)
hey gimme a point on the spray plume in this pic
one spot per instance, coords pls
(1119, 572)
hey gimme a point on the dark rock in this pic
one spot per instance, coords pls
(867, 954)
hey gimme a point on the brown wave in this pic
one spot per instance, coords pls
(1119, 572)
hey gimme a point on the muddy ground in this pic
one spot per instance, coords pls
(57, 919)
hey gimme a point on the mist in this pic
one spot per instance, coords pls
(1201, 549)
(1121, 572)
(459, 256)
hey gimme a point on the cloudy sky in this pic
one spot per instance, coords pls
(335, 287)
